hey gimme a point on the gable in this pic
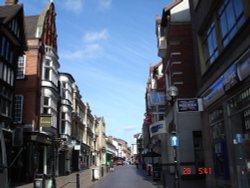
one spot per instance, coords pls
(12, 21)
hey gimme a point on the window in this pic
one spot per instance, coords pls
(63, 127)
(3, 45)
(231, 19)
(47, 73)
(46, 105)
(7, 50)
(21, 67)
(1, 70)
(18, 108)
(210, 45)
(63, 115)
(5, 107)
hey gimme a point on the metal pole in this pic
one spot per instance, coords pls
(176, 180)
(53, 163)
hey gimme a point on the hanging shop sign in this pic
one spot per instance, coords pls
(45, 120)
(156, 98)
(157, 128)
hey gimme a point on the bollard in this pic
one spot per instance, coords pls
(93, 174)
(77, 181)
(102, 171)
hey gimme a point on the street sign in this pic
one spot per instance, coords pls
(174, 141)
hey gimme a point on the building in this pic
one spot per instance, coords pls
(80, 156)
(66, 89)
(174, 121)
(101, 141)
(13, 45)
(37, 95)
(221, 34)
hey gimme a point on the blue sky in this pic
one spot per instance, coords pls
(107, 46)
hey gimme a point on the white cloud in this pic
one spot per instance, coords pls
(91, 47)
(89, 51)
(75, 6)
(104, 4)
(95, 36)
(130, 128)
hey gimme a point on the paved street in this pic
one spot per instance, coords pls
(126, 176)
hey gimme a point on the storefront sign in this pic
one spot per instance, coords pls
(238, 71)
(189, 105)
(230, 77)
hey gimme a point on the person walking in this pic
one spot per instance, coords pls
(137, 163)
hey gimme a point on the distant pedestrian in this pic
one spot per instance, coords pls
(137, 163)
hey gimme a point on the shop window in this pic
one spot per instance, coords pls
(216, 121)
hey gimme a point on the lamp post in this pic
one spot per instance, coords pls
(172, 94)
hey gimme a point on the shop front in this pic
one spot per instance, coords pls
(226, 120)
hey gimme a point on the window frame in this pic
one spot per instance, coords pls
(21, 59)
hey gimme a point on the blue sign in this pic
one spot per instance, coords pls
(174, 141)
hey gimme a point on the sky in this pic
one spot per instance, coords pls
(107, 46)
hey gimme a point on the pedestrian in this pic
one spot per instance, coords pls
(137, 163)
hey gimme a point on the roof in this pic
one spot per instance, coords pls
(8, 12)
(30, 26)
(166, 10)
(35, 23)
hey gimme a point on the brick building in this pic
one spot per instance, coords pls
(182, 116)
(37, 94)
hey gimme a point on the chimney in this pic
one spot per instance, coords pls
(11, 2)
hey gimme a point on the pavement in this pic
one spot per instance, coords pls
(69, 181)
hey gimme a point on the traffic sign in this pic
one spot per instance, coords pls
(174, 141)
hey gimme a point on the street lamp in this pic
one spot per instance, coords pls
(172, 94)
